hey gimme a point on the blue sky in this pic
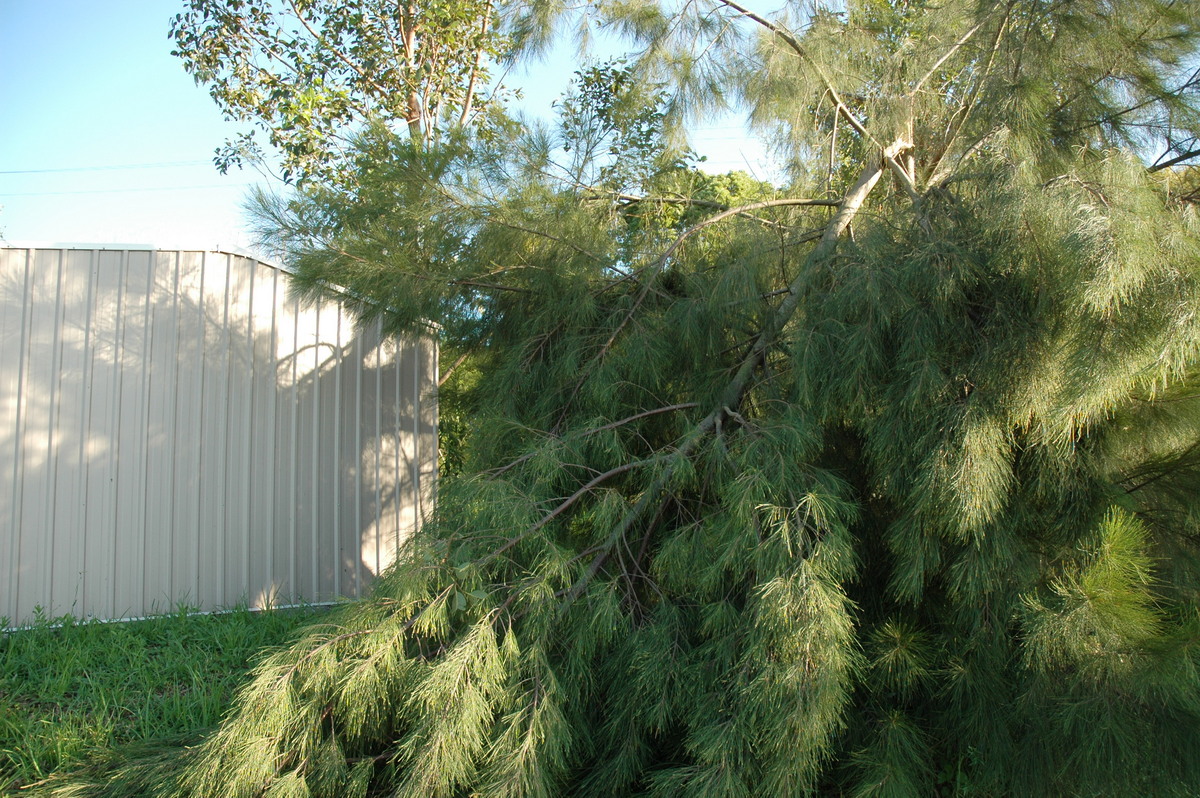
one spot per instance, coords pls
(90, 89)
(104, 139)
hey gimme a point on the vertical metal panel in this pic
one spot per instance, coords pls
(425, 418)
(129, 539)
(108, 277)
(71, 425)
(214, 417)
(307, 362)
(36, 431)
(262, 440)
(286, 424)
(163, 368)
(239, 401)
(328, 389)
(175, 429)
(14, 269)
(189, 427)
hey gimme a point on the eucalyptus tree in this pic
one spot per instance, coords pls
(881, 483)
(312, 73)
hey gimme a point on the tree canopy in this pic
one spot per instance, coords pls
(882, 482)
(311, 73)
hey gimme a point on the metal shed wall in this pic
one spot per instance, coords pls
(174, 429)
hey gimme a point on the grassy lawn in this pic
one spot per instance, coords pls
(77, 689)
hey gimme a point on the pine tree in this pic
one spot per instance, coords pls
(880, 484)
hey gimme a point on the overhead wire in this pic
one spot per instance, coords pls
(125, 190)
(114, 167)
(158, 165)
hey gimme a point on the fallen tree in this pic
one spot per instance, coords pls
(883, 483)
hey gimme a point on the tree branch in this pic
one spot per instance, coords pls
(791, 41)
(475, 68)
(321, 40)
(958, 45)
(657, 266)
(943, 173)
(566, 504)
(732, 395)
(612, 425)
(450, 371)
(738, 211)
(549, 236)
(1187, 156)
(633, 199)
(794, 43)
(958, 123)
(641, 415)
(491, 286)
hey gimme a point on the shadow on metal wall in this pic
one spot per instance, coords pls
(174, 428)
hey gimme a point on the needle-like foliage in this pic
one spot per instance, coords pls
(883, 483)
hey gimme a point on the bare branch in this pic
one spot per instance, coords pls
(612, 425)
(966, 37)
(794, 43)
(791, 41)
(549, 236)
(632, 199)
(943, 172)
(741, 209)
(832, 152)
(937, 173)
(644, 414)
(1187, 156)
(450, 371)
(470, 98)
(491, 286)
(566, 504)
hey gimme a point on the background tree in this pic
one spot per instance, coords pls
(311, 73)
(879, 484)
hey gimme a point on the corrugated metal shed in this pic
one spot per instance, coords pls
(175, 429)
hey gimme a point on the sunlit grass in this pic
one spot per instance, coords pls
(71, 690)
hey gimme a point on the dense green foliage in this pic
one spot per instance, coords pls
(880, 484)
(72, 692)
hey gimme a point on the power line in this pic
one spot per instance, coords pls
(127, 190)
(159, 165)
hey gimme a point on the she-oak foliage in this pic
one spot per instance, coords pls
(886, 483)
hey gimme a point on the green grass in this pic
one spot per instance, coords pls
(70, 691)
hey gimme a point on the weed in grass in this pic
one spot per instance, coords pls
(71, 690)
